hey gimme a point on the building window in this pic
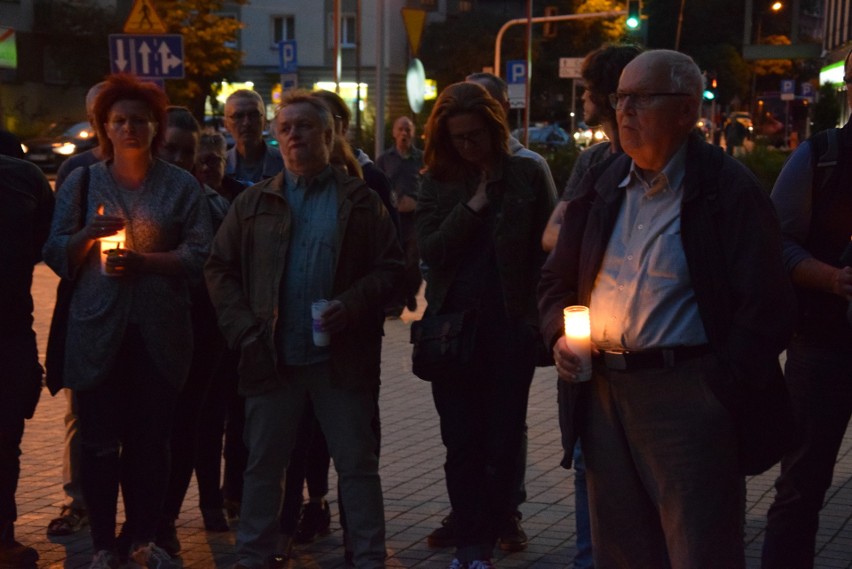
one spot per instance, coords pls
(465, 5)
(348, 37)
(283, 29)
(347, 31)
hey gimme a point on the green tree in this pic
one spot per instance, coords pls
(208, 59)
(826, 109)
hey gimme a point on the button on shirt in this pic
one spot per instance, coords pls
(309, 274)
(643, 296)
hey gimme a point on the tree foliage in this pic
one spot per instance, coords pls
(826, 109)
(207, 39)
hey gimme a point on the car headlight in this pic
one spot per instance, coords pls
(65, 149)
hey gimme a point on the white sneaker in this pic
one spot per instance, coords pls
(152, 557)
(481, 564)
(456, 564)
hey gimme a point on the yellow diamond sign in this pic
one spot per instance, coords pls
(143, 19)
(414, 21)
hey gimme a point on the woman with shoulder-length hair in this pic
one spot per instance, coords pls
(479, 219)
(129, 335)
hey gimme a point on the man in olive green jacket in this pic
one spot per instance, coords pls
(309, 233)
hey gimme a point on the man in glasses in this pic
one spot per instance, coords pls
(251, 159)
(676, 251)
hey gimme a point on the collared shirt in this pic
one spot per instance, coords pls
(271, 165)
(643, 296)
(403, 171)
(309, 274)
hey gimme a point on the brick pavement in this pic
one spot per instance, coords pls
(412, 476)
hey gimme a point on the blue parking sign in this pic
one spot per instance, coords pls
(287, 60)
(516, 72)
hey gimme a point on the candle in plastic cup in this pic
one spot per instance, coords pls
(578, 337)
(111, 246)
(321, 337)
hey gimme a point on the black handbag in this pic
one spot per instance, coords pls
(54, 361)
(443, 346)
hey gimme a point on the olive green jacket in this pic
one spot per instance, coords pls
(246, 267)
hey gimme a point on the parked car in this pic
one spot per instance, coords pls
(586, 135)
(547, 135)
(60, 141)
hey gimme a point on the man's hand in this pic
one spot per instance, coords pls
(567, 362)
(842, 284)
(335, 317)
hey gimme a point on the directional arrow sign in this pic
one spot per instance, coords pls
(152, 56)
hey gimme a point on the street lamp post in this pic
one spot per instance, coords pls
(774, 8)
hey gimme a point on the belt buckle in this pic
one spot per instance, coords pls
(615, 360)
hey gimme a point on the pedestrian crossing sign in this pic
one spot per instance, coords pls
(143, 19)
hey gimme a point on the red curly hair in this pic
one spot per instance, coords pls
(124, 87)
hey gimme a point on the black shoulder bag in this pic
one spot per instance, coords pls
(54, 363)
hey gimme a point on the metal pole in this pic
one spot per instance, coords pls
(358, 74)
(529, 75)
(542, 19)
(679, 25)
(380, 78)
(337, 55)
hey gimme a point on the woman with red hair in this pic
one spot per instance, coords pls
(479, 218)
(129, 335)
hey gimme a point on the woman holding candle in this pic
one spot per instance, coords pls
(479, 220)
(129, 337)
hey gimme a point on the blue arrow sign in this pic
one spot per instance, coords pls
(154, 56)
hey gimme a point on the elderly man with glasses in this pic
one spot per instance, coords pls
(676, 250)
(251, 159)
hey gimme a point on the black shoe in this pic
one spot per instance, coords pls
(512, 535)
(14, 555)
(214, 520)
(444, 536)
(167, 538)
(314, 521)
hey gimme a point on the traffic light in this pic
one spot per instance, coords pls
(709, 86)
(634, 14)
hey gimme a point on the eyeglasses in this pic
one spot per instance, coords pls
(472, 137)
(639, 100)
(242, 115)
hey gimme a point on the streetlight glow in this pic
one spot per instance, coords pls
(777, 6)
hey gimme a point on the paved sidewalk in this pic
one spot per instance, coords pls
(412, 476)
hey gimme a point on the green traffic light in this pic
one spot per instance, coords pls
(632, 22)
(709, 95)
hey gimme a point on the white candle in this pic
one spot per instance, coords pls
(107, 244)
(578, 331)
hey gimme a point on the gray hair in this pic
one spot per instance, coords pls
(246, 94)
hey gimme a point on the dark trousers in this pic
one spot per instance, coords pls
(235, 451)
(20, 386)
(661, 466)
(125, 424)
(309, 462)
(208, 345)
(482, 424)
(820, 385)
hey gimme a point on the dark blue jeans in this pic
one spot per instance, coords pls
(482, 425)
(125, 425)
(820, 385)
